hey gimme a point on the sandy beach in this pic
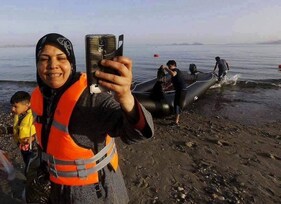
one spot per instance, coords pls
(210, 158)
(206, 160)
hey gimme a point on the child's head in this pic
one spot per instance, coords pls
(20, 102)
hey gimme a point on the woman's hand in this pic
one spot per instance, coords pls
(119, 84)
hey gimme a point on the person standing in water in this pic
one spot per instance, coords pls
(223, 67)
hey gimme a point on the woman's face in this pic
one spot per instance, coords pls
(53, 66)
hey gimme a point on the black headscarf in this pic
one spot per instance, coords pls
(60, 42)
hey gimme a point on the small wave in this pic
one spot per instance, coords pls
(266, 84)
(226, 81)
(246, 83)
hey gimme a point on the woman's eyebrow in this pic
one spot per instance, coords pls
(46, 54)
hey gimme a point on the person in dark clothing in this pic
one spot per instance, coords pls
(161, 75)
(178, 83)
(157, 92)
(223, 67)
(77, 156)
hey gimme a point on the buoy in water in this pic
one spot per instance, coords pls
(155, 55)
(279, 66)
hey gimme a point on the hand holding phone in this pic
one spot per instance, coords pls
(98, 47)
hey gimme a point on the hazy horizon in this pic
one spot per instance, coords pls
(157, 44)
(143, 21)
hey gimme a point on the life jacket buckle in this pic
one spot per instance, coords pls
(82, 171)
(79, 162)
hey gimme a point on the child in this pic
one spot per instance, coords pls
(23, 128)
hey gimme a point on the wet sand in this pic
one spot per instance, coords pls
(205, 160)
(211, 157)
(225, 151)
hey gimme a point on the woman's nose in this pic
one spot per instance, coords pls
(53, 63)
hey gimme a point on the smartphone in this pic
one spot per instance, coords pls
(98, 47)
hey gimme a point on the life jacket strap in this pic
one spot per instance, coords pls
(40, 119)
(60, 126)
(81, 171)
(102, 156)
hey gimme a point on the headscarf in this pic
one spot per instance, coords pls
(60, 42)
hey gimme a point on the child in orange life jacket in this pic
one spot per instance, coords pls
(23, 128)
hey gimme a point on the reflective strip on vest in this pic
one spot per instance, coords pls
(103, 156)
(81, 171)
(60, 126)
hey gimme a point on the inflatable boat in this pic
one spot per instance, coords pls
(158, 97)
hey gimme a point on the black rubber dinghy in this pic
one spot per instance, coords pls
(158, 97)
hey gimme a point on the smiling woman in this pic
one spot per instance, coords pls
(84, 169)
(53, 67)
(55, 61)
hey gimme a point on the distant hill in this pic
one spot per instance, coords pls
(275, 42)
(195, 43)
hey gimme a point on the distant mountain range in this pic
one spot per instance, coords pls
(195, 43)
(275, 42)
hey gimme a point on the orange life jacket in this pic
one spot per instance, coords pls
(69, 163)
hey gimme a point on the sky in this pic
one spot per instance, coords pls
(142, 21)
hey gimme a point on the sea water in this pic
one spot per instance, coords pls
(254, 65)
(251, 61)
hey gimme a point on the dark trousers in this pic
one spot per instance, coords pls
(27, 155)
(222, 73)
(177, 108)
